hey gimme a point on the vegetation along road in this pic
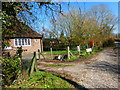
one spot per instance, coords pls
(100, 71)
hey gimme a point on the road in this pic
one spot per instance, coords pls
(100, 71)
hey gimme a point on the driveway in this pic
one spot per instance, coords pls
(100, 71)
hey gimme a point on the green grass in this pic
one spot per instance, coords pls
(61, 52)
(83, 54)
(74, 52)
(55, 52)
(42, 79)
(86, 55)
(52, 65)
(72, 58)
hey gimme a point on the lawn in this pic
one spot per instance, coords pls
(55, 52)
(42, 79)
(83, 54)
(61, 52)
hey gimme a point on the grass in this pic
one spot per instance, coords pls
(83, 54)
(42, 79)
(52, 65)
(63, 52)
(55, 52)
(72, 58)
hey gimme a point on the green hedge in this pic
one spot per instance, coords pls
(10, 70)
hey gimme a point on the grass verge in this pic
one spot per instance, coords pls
(42, 79)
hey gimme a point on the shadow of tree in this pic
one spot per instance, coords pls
(77, 86)
(25, 64)
(105, 66)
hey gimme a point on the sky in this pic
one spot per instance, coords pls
(44, 21)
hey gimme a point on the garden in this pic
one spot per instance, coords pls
(15, 76)
(70, 35)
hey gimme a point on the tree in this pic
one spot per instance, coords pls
(12, 10)
(79, 29)
(106, 22)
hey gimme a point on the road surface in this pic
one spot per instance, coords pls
(100, 71)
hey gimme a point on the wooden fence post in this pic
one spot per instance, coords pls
(68, 52)
(8, 54)
(39, 54)
(33, 65)
(87, 45)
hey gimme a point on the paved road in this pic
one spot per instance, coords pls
(101, 71)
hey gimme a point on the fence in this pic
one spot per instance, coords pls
(32, 67)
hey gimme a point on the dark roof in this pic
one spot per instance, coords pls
(21, 31)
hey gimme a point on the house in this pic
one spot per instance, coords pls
(23, 36)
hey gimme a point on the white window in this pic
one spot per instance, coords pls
(22, 42)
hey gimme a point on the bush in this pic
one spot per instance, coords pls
(10, 69)
(109, 43)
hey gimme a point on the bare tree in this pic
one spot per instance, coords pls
(95, 24)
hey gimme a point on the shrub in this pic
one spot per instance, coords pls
(10, 69)
(109, 43)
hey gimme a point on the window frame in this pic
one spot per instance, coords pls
(16, 40)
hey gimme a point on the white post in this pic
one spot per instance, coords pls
(78, 49)
(68, 51)
(51, 52)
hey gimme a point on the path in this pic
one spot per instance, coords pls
(98, 72)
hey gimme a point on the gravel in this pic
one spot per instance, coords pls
(101, 71)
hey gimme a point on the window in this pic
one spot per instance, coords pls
(22, 42)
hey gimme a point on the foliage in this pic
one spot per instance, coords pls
(10, 70)
(76, 28)
(109, 43)
(42, 79)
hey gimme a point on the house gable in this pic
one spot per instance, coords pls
(22, 31)
(25, 37)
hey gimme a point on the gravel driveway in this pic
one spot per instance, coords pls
(101, 71)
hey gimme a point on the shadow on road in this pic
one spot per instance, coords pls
(105, 66)
(77, 86)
